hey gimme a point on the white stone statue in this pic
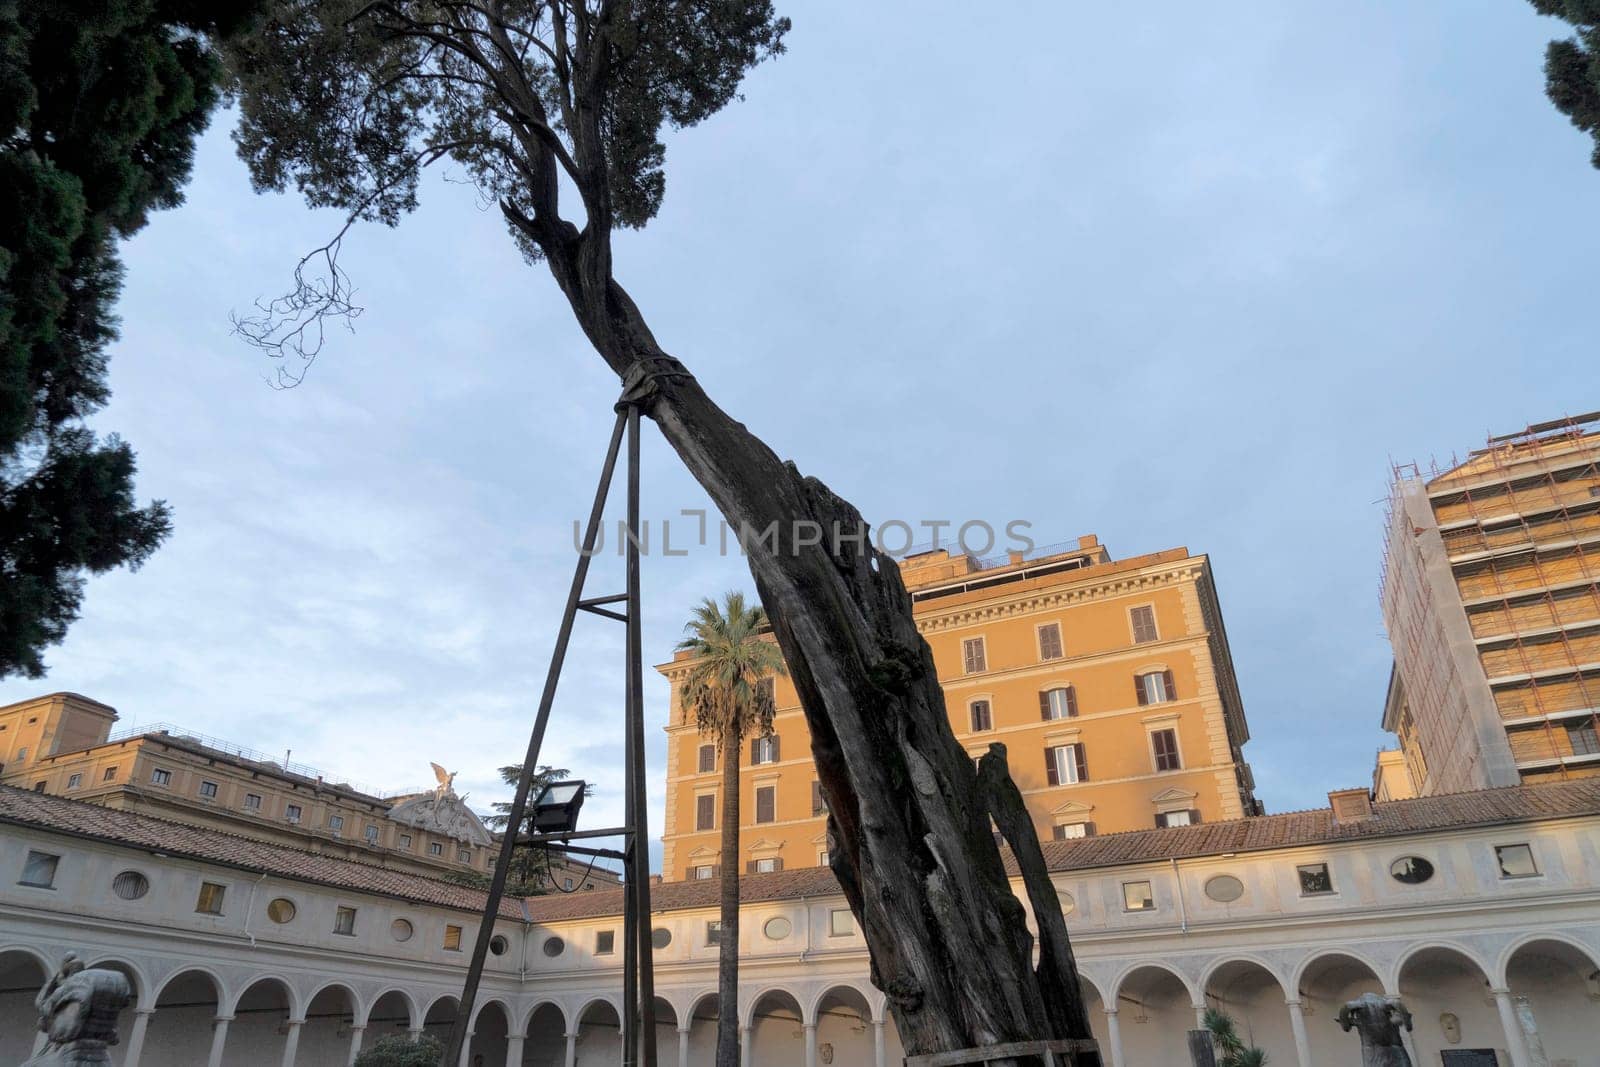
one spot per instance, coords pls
(78, 1011)
(446, 787)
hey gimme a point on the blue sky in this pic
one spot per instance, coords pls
(1174, 275)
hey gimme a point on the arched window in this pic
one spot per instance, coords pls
(1058, 703)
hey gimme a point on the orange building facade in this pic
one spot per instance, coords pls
(1109, 682)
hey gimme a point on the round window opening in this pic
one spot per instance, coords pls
(1411, 870)
(281, 910)
(660, 937)
(1068, 905)
(1224, 889)
(130, 885)
(777, 929)
(498, 944)
(400, 930)
(554, 946)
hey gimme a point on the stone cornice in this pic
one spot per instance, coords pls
(1132, 583)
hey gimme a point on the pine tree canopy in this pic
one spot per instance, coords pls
(1572, 66)
(100, 105)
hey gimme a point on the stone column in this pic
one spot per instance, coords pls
(1114, 1036)
(572, 1050)
(1200, 1016)
(745, 1057)
(1297, 1024)
(1532, 1043)
(1512, 1028)
(135, 1048)
(357, 1031)
(514, 1049)
(811, 1044)
(291, 1042)
(414, 1033)
(219, 1038)
(879, 1055)
(683, 1046)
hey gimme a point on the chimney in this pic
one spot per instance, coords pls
(1350, 805)
(1014, 557)
(1088, 541)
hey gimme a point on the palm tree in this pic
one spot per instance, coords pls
(729, 689)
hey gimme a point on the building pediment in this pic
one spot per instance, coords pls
(764, 845)
(1072, 807)
(1174, 796)
(446, 814)
(702, 853)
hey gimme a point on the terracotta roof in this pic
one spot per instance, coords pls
(145, 832)
(1397, 818)
(1296, 828)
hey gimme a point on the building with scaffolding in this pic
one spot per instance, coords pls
(1491, 597)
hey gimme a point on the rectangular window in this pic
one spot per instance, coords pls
(766, 865)
(463, 856)
(566, 883)
(39, 870)
(819, 803)
(1070, 830)
(841, 923)
(1314, 879)
(435, 848)
(38, 787)
(1176, 818)
(336, 825)
(210, 900)
(344, 921)
(1066, 765)
(605, 942)
(1144, 623)
(764, 749)
(973, 658)
(714, 932)
(405, 841)
(1058, 703)
(982, 718)
(160, 777)
(708, 758)
(1155, 687)
(1580, 733)
(703, 872)
(452, 938)
(208, 790)
(1164, 745)
(110, 775)
(74, 780)
(372, 835)
(823, 858)
(705, 812)
(1516, 861)
(1050, 641)
(292, 813)
(1137, 896)
(252, 802)
(767, 803)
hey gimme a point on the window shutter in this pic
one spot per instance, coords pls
(1072, 702)
(1088, 829)
(750, 867)
(1138, 689)
(775, 756)
(688, 874)
(1172, 688)
(1194, 816)
(1050, 767)
(1044, 704)
(755, 750)
(816, 798)
(1083, 762)
(1161, 819)
(777, 864)
(716, 870)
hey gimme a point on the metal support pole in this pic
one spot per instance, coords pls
(519, 803)
(638, 886)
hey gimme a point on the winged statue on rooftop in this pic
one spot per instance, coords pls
(446, 779)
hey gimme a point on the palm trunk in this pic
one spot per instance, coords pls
(728, 939)
(915, 856)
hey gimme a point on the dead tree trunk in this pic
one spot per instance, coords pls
(913, 847)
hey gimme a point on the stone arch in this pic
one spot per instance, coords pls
(777, 1037)
(409, 1002)
(1558, 981)
(142, 993)
(1440, 979)
(186, 1003)
(527, 1020)
(598, 1025)
(260, 1013)
(440, 1015)
(490, 1031)
(701, 1022)
(1156, 1010)
(748, 1016)
(331, 1009)
(358, 1007)
(1502, 963)
(1318, 962)
(477, 1010)
(291, 997)
(1252, 993)
(843, 1016)
(23, 972)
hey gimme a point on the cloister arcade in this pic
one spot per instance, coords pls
(1461, 998)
